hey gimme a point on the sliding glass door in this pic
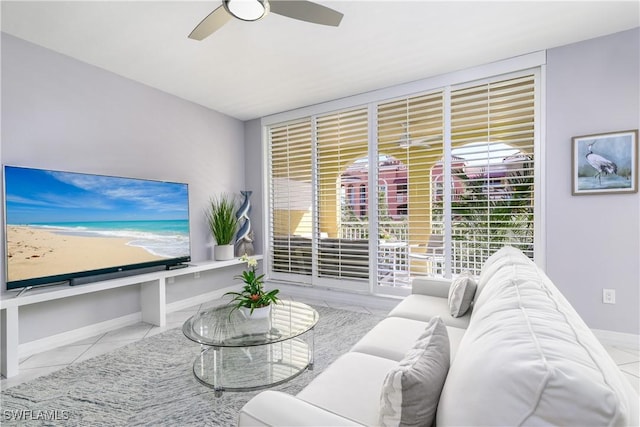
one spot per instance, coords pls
(431, 184)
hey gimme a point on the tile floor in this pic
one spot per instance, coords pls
(628, 359)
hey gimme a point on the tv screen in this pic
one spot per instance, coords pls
(61, 226)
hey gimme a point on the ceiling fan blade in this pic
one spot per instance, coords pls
(212, 23)
(422, 143)
(306, 11)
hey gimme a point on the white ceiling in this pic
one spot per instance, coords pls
(249, 70)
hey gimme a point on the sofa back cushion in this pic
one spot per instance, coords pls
(506, 256)
(530, 360)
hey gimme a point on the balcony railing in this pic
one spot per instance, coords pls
(469, 251)
(396, 230)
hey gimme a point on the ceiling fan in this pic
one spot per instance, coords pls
(252, 10)
(407, 141)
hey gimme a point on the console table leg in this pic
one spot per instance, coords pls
(153, 301)
(9, 341)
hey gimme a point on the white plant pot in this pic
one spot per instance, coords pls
(223, 252)
(258, 313)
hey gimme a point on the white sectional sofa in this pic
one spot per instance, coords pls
(521, 356)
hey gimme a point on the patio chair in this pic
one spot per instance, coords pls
(432, 252)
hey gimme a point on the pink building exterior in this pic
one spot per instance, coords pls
(392, 178)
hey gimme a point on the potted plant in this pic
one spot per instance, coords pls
(223, 224)
(253, 300)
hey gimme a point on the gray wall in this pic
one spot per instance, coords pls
(63, 114)
(593, 242)
(253, 178)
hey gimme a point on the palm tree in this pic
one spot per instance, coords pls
(489, 214)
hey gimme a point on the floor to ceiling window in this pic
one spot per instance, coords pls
(366, 198)
(341, 138)
(411, 130)
(492, 171)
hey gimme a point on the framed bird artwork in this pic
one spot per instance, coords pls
(605, 163)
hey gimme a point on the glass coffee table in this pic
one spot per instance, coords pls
(240, 353)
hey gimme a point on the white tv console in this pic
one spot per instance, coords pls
(152, 300)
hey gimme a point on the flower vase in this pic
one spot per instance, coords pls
(223, 252)
(258, 313)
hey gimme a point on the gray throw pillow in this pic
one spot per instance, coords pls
(461, 294)
(411, 390)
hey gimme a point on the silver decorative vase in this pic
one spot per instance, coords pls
(244, 236)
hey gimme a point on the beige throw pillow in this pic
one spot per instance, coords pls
(411, 391)
(461, 294)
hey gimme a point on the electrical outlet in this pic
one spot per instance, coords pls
(609, 296)
(196, 275)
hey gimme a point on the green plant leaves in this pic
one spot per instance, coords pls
(221, 217)
(253, 294)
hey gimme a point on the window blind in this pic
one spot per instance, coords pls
(410, 143)
(342, 142)
(333, 197)
(492, 134)
(291, 199)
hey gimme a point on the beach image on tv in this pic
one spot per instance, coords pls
(62, 223)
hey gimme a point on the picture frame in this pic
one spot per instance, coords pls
(605, 163)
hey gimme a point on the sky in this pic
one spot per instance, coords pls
(35, 196)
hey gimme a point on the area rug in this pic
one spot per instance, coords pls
(151, 382)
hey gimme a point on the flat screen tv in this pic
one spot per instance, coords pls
(64, 226)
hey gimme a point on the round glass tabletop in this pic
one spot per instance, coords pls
(227, 327)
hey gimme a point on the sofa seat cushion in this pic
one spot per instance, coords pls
(394, 336)
(266, 409)
(533, 361)
(424, 307)
(351, 387)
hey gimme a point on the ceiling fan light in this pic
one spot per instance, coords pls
(247, 10)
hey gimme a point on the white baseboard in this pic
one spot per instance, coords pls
(618, 338)
(338, 297)
(69, 337)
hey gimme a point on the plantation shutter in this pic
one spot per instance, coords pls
(452, 177)
(492, 134)
(410, 143)
(290, 199)
(342, 139)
